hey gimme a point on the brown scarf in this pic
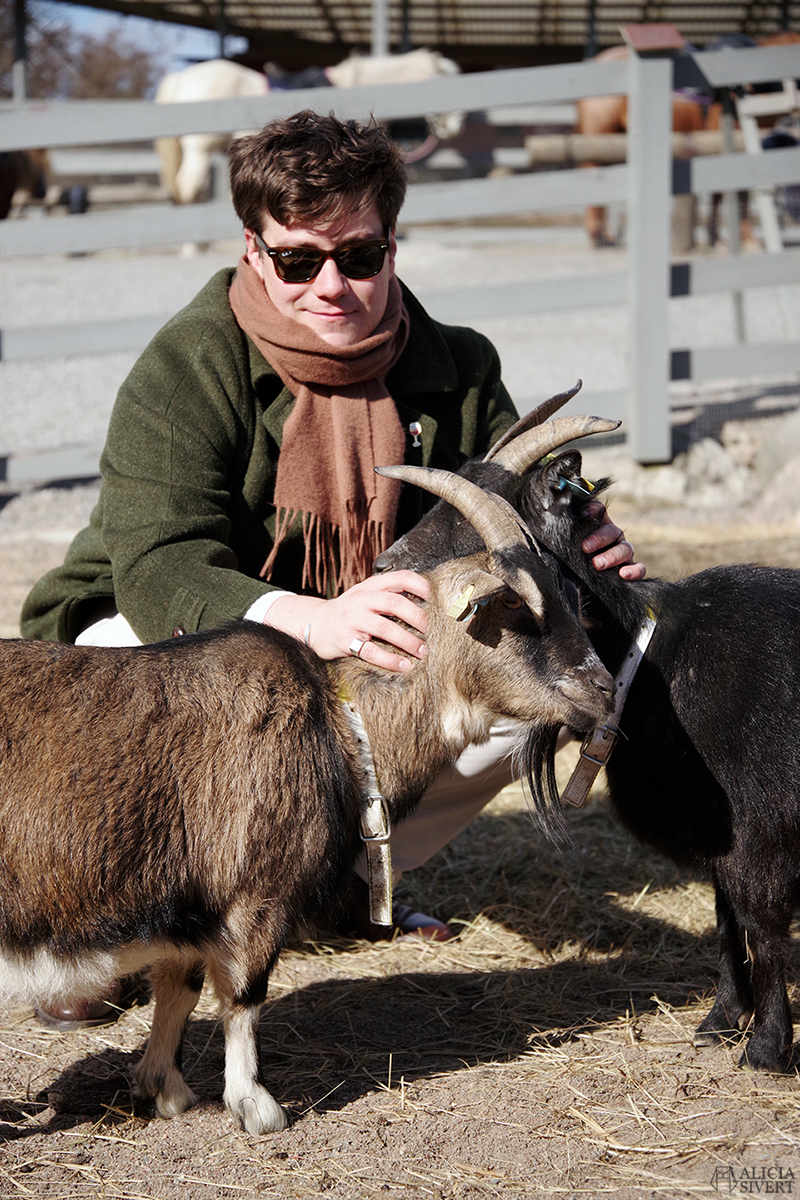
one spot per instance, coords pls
(344, 423)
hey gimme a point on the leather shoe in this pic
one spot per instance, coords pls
(414, 926)
(69, 1015)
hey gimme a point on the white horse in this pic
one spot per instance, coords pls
(411, 67)
(186, 161)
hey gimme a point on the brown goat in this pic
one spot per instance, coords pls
(186, 806)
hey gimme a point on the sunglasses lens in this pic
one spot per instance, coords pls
(297, 266)
(361, 261)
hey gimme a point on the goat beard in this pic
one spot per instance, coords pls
(535, 766)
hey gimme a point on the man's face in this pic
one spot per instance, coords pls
(341, 311)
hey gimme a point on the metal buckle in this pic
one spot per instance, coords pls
(609, 735)
(386, 832)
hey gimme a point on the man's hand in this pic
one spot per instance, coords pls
(608, 547)
(361, 613)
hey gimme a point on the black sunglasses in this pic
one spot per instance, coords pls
(301, 264)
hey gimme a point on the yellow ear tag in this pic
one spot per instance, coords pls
(460, 606)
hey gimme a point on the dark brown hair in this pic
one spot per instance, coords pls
(315, 169)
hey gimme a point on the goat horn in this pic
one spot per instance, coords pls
(536, 417)
(489, 514)
(520, 455)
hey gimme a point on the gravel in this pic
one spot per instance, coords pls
(48, 405)
(52, 514)
(53, 405)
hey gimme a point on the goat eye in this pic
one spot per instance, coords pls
(512, 601)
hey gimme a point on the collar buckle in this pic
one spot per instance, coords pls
(599, 744)
(375, 826)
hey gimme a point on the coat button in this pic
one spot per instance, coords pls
(178, 632)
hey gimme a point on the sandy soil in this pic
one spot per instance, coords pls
(547, 1051)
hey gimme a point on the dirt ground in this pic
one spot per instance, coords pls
(546, 1052)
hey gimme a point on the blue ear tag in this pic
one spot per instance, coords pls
(476, 604)
(584, 488)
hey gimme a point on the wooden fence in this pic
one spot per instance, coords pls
(645, 184)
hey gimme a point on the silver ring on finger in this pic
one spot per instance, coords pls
(356, 646)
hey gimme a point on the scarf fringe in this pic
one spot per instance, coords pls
(336, 556)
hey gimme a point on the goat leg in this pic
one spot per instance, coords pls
(770, 1045)
(246, 1098)
(240, 977)
(176, 990)
(734, 991)
(754, 946)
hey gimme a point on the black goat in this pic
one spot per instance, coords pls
(706, 768)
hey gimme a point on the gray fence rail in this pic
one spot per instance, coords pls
(645, 184)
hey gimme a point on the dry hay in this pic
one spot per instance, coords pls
(547, 1051)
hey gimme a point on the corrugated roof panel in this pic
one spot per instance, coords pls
(515, 27)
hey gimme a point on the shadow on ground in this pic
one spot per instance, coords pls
(590, 959)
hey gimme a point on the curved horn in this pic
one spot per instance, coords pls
(490, 515)
(520, 455)
(536, 417)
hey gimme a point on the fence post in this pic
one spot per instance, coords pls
(380, 40)
(649, 205)
(19, 69)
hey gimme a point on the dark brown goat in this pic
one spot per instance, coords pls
(186, 806)
(706, 766)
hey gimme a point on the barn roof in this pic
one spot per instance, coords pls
(476, 33)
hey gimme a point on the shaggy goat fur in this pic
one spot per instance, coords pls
(188, 806)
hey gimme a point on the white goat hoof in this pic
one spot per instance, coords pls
(259, 1113)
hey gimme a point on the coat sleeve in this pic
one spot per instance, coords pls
(178, 534)
(178, 445)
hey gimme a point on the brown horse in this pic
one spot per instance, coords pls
(609, 114)
(23, 171)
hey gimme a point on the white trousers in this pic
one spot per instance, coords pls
(450, 803)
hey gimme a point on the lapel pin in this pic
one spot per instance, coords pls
(415, 429)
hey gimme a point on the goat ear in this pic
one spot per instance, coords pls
(472, 593)
(560, 482)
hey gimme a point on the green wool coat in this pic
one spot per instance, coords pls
(185, 518)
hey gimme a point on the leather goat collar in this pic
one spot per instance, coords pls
(376, 828)
(598, 745)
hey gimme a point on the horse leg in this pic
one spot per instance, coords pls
(8, 183)
(169, 157)
(748, 238)
(713, 219)
(595, 220)
(687, 117)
